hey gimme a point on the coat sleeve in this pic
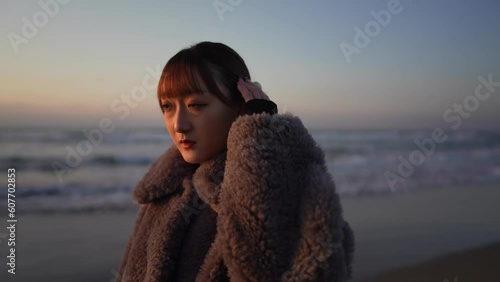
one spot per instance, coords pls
(280, 218)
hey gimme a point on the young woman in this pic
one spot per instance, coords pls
(243, 194)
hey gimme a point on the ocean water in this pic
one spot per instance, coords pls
(361, 163)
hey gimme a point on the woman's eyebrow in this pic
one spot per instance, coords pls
(193, 94)
(186, 96)
(198, 91)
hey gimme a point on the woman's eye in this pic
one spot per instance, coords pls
(165, 107)
(196, 106)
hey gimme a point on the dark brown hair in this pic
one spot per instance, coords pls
(213, 62)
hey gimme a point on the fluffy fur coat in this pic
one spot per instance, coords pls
(278, 216)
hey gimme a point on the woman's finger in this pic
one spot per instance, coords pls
(245, 92)
(254, 90)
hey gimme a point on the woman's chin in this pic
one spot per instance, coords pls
(197, 156)
(191, 156)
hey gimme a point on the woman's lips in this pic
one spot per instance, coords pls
(187, 144)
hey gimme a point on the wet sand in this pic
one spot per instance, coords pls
(403, 230)
(480, 264)
(392, 232)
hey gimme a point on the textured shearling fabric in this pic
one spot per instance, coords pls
(278, 216)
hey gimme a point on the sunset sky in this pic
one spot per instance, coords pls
(78, 63)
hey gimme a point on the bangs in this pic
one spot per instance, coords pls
(178, 78)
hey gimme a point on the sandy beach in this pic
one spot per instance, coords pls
(402, 230)
(397, 231)
(479, 264)
(70, 247)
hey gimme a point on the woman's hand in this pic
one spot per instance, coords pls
(255, 99)
(251, 90)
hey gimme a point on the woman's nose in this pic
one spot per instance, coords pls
(182, 122)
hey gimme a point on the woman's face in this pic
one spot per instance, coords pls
(201, 118)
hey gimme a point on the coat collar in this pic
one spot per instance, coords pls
(164, 177)
(207, 179)
(167, 175)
